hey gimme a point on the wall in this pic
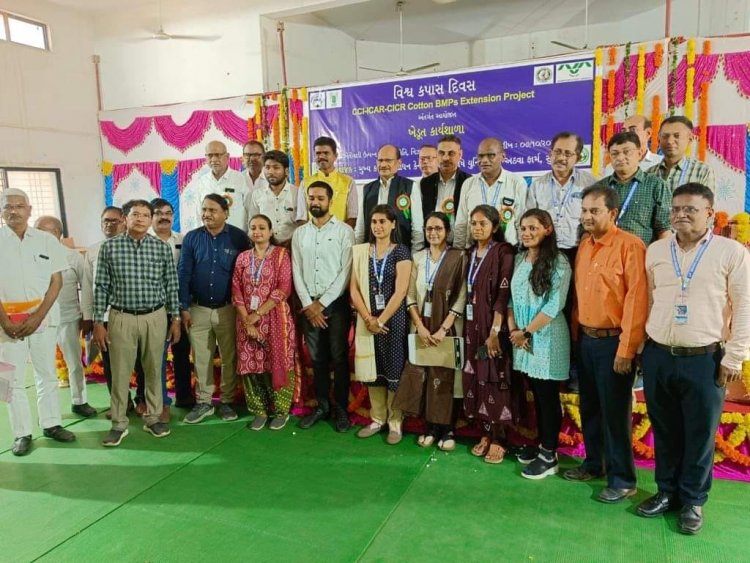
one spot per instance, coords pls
(48, 110)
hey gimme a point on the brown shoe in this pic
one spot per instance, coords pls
(140, 409)
(165, 414)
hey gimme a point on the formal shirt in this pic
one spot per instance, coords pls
(90, 261)
(72, 280)
(362, 227)
(29, 264)
(344, 205)
(281, 209)
(611, 286)
(507, 195)
(563, 203)
(650, 160)
(206, 266)
(322, 261)
(259, 182)
(717, 296)
(174, 241)
(646, 215)
(685, 171)
(135, 275)
(233, 185)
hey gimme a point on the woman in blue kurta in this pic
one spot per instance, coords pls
(539, 333)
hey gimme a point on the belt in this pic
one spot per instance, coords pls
(211, 305)
(600, 332)
(138, 311)
(688, 351)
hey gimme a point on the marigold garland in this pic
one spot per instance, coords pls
(655, 121)
(612, 55)
(305, 137)
(610, 105)
(741, 222)
(275, 125)
(107, 168)
(658, 54)
(640, 95)
(258, 123)
(672, 86)
(626, 92)
(296, 127)
(703, 127)
(596, 144)
(690, 79)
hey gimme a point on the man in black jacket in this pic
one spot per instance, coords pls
(441, 191)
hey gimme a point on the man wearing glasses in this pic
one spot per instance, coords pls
(428, 160)
(644, 199)
(252, 159)
(641, 126)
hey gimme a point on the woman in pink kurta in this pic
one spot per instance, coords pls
(261, 285)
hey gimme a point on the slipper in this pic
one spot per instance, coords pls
(447, 443)
(426, 440)
(495, 454)
(480, 450)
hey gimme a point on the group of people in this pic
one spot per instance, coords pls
(606, 273)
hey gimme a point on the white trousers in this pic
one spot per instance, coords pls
(41, 347)
(69, 341)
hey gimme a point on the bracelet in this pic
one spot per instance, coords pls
(445, 330)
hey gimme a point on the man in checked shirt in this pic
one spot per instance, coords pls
(137, 279)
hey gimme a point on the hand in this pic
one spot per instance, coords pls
(100, 337)
(438, 336)
(175, 332)
(493, 345)
(424, 335)
(186, 320)
(623, 366)
(12, 329)
(86, 326)
(252, 332)
(313, 310)
(319, 321)
(252, 319)
(518, 339)
(728, 375)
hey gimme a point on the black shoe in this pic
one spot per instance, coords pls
(691, 519)
(580, 473)
(184, 405)
(527, 454)
(312, 419)
(611, 495)
(21, 446)
(85, 410)
(342, 420)
(59, 434)
(657, 504)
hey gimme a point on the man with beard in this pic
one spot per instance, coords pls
(278, 200)
(252, 158)
(344, 205)
(321, 266)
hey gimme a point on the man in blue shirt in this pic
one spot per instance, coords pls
(205, 274)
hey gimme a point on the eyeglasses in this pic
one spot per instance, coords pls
(111, 221)
(624, 152)
(686, 209)
(211, 155)
(165, 213)
(17, 207)
(136, 215)
(557, 153)
(434, 229)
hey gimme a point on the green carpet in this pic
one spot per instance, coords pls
(218, 491)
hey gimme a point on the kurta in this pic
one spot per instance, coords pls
(487, 383)
(274, 354)
(550, 346)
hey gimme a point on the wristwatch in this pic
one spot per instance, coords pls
(526, 334)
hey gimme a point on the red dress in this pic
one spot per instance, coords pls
(274, 353)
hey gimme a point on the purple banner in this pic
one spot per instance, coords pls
(524, 105)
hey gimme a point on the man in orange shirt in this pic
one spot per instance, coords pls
(610, 280)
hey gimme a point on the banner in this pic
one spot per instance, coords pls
(525, 105)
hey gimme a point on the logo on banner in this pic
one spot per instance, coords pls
(317, 100)
(585, 159)
(333, 99)
(574, 72)
(544, 75)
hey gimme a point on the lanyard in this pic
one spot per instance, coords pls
(472, 272)
(560, 207)
(255, 274)
(484, 186)
(625, 205)
(429, 279)
(685, 280)
(379, 273)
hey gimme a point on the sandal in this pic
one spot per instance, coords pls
(495, 454)
(426, 440)
(480, 450)
(447, 443)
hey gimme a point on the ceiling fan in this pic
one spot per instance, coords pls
(401, 71)
(585, 32)
(161, 35)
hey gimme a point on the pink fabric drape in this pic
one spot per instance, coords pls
(119, 173)
(705, 70)
(737, 69)
(231, 124)
(128, 138)
(235, 162)
(186, 135)
(632, 85)
(603, 131)
(728, 142)
(151, 170)
(186, 169)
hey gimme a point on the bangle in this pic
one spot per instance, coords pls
(445, 330)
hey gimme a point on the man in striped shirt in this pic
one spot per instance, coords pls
(675, 135)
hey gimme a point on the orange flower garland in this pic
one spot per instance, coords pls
(658, 54)
(655, 122)
(275, 125)
(703, 127)
(596, 143)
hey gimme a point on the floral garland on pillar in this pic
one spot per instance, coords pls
(672, 86)
(275, 125)
(690, 79)
(610, 96)
(305, 137)
(703, 127)
(655, 121)
(596, 144)
(640, 81)
(626, 92)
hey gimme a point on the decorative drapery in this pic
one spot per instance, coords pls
(705, 71)
(232, 125)
(626, 79)
(186, 135)
(128, 138)
(185, 171)
(151, 170)
(169, 190)
(737, 70)
(728, 142)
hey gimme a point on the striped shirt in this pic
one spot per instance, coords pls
(135, 275)
(685, 171)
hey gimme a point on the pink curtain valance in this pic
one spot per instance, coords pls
(128, 138)
(186, 135)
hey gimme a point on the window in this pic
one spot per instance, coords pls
(42, 185)
(18, 29)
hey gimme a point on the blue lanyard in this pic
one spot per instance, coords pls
(625, 205)
(484, 186)
(685, 280)
(429, 279)
(472, 272)
(255, 274)
(560, 207)
(379, 273)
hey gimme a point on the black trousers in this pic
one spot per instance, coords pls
(684, 405)
(606, 411)
(331, 346)
(548, 411)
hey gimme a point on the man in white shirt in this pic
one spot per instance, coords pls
(28, 318)
(321, 265)
(699, 331)
(252, 158)
(69, 329)
(503, 190)
(641, 126)
(278, 200)
(428, 160)
(230, 184)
